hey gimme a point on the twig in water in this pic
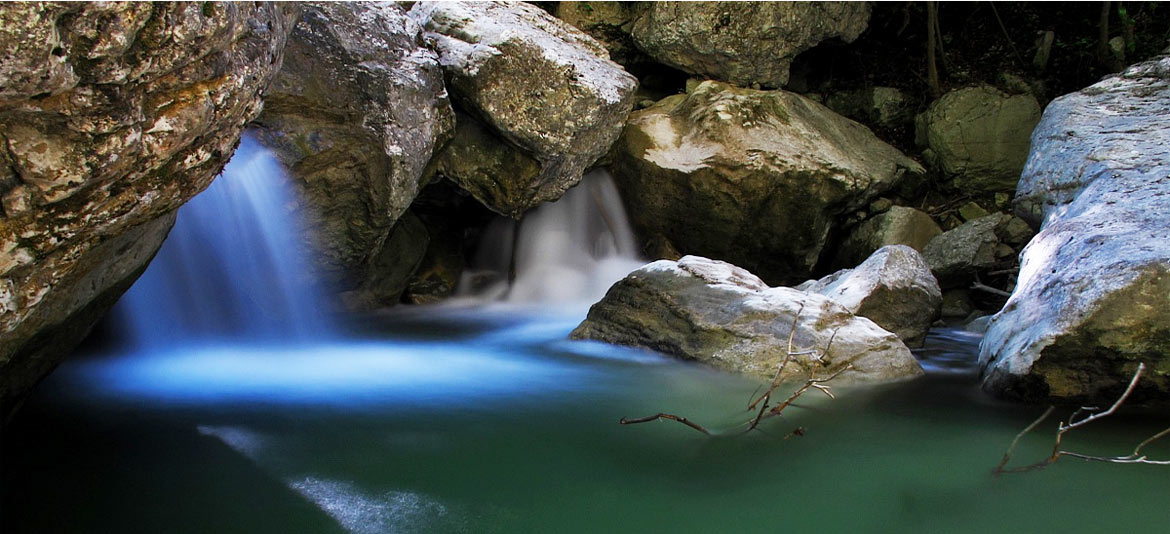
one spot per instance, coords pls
(1135, 457)
(672, 417)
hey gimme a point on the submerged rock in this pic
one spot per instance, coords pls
(722, 315)
(744, 43)
(1094, 284)
(357, 110)
(757, 178)
(113, 115)
(979, 136)
(544, 87)
(893, 288)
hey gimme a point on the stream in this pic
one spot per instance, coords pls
(480, 416)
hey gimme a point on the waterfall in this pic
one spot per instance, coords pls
(568, 251)
(232, 267)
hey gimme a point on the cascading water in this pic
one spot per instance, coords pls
(232, 268)
(568, 252)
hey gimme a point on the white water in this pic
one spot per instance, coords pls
(567, 252)
(232, 267)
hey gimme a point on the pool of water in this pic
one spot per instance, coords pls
(488, 420)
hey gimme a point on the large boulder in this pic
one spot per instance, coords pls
(357, 111)
(893, 288)
(744, 43)
(978, 136)
(756, 178)
(1094, 284)
(113, 115)
(899, 225)
(544, 87)
(719, 314)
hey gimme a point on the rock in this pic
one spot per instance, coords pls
(441, 267)
(495, 172)
(983, 244)
(893, 288)
(722, 315)
(979, 136)
(744, 43)
(392, 268)
(356, 112)
(956, 304)
(609, 23)
(880, 107)
(757, 178)
(898, 225)
(543, 86)
(971, 211)
(113, 115)
(1094, 284)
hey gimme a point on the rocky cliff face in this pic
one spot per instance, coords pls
(357, 111)
(1094, 284)
(111, 116)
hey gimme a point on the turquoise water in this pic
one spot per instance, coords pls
(487, 420)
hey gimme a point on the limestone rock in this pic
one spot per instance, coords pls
(893, 288)
(113, 115)
(983, 244)
(722, 315)
(898, 225)
(546, 88)
(1094, 284)
(357, 111)
(744, 43)
(979, 136)
(757, 178)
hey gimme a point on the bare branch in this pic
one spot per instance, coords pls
(672, 417)
(1135, 457)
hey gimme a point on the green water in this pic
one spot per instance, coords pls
(498, 425)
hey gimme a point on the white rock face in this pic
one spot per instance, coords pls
(543, 86)
(720, 314)
(1094, 286)
(893, 288)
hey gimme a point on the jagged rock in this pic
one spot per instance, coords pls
(983, 244)
(544, 87)
(1094, 284)
(757, 178)
(897, 225)
(722, 315)
(881, 107)
(113, 115)
(356, 112)
(893, 288)
(397, 259)
(978, 136)
(744, 43)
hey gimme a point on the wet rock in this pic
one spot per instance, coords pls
(979, 136)
(956, 304)
(744, 43)
(719, 314)
(113, 115)
(1094, 284)
(544, 87)
(757, 178)
(893, 288)
(391, 269)
(356, 112)
(897, 225)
